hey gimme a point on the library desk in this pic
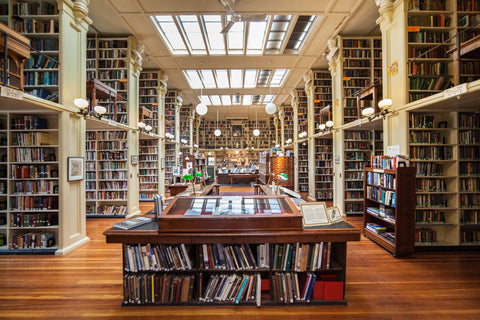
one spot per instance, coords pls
(239, 176)
(177, 188)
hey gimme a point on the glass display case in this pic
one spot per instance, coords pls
(227, 213)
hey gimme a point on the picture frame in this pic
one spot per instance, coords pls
(334, 214)
(76, 168)
(314, 214)
(134, 159)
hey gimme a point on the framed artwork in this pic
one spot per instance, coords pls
(75, 168)
(334, 214)
(314, 214)
(134, 159)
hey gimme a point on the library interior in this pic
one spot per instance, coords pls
(239, 158)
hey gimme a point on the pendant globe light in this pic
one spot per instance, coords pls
(201, 107)
(217, 132)
(270, 108)
(256, 132)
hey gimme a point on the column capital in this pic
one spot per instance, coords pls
(80, 10)
(162, 90)
(136, 50)
(385, 8)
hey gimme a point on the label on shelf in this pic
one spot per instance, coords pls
(455, 91)
(11, 93)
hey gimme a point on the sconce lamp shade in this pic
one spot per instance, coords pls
(270, 108)
(141, 125)
(256, 132)
(283, 176)
(385, 103)
(148, 127)
(81, 103)
(201, 109)
(199, 174)
(368, 111)
(329, 123)
(187, 177)
(322, 126)
(218, 133)
(100, 110)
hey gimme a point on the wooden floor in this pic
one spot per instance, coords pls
(87, 283)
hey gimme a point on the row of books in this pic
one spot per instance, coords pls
(425, 235)
(112, 175)
(301, 257)
(34, 203)
(45, 44)
(437, 20)
(110, 210)
(469, 136)
(34, 171)
(35, 26)
(40, 78)
(232, 288)
(147, 288)
(387, 197)
(111, 145)
(32, 240)
(470, 216)
(431, 153)
(41, 62)
(112, 195)
(383, 212)
(233, 257)
(385, 180)
(431, 200)
(112, 155)
(33, 138)
(430, 137)
(469, 168)
(34, 154)
(469, 200)
(469, 153)
(34, 187)
(429, 216)
(28, 220)
(470, 236)
(156, 257)
(116, 165)
(429, 185)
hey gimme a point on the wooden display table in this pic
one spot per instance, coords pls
(168, 267)
(177, 188)
(245, 176)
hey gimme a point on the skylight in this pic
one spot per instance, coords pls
(236, 99)
(235, 78)
(200, 34)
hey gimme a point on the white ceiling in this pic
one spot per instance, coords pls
(124, 17)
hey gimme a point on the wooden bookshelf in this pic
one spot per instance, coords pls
(39, 21)
(148, 97)
(169, 162)
(302, 167)
(389, 206)
(148, 173)
(29, 183)
(432, 144)
(469, 177)
(257, 255)
(302, 110)
(362, 65)
(106, 173)
(264, 167)
(430, 25)
(288, 123)
(322, 87)
(283, 164)
(324, 169)
(170, 113)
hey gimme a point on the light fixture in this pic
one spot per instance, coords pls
(148, 128)
(100, 111)
(385, 104)
(201, 107)
(195, 145)
(329, 124)
(141, 125)
(217, 132)
(256, 132)
(251, 147)
(302, 134)
(283, 176)
(82, 104)
(277, 146)
(322, 126)
(209, 153)
(270, 108)
(367, 112)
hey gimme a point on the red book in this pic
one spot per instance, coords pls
(333, 290)
(318, 290)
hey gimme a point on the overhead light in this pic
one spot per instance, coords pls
(251, 148)
(218, 133)
(256, 132)
(209, 153)
(329, 123)
(195, 145)
(368, 111)
(322, 126)
(201, 109)
(270, 108)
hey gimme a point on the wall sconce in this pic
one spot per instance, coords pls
(322, 126)
(367, 112)
(148, 128)
(195, 145)
(100, 111)
(302, 134)
(384, 106)
(82, 104)
(141, 125)
(329, 124)
(288, 141)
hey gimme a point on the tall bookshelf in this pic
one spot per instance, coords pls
(361, 65)
(322, 86)
(107, 173)
(148, 95)
(169, 162)
(358, 149)
(185, 123)
(389, 206)
(170, 100)
(469, 177)
(430, 25)
(264, 167)
(39, 21)
(467, 18)
(302, 110)
(29, 183)
(302, 167)
(288, 123)
(323, 169)
(148, 169)
(432, 144)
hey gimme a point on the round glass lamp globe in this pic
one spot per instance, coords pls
(270, 108)
(81, 103)
(256, 132)
(201, 109)
(100, 110)
(329, 123)
(217, 133)
(368, 111)
(322, 126)
(148, 127)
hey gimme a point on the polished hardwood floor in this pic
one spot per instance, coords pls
(87, 283)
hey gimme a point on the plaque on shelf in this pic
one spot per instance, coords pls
(229, 213)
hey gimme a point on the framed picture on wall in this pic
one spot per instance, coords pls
(75, 168)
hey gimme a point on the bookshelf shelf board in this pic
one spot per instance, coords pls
(382, 241)
(388, 221)
(421, 224)
(37, 227)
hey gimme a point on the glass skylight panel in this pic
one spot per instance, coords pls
(193, 33)
(268, 98)
(302, 26)
(215, 40)
(208, 78)
(236, 99)
(216, 101)
(193, 79)
(235, 38)
(236, 78)
(226, 100)
(205, 99)
(278, 77)
(256, 37)
(222, 79)
(250, 79)
(257, 99)
(247, 100)
(170, 34)
(263, 78)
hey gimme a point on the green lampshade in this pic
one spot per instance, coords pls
(199, 174)
(187, 177)
(283, 176)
